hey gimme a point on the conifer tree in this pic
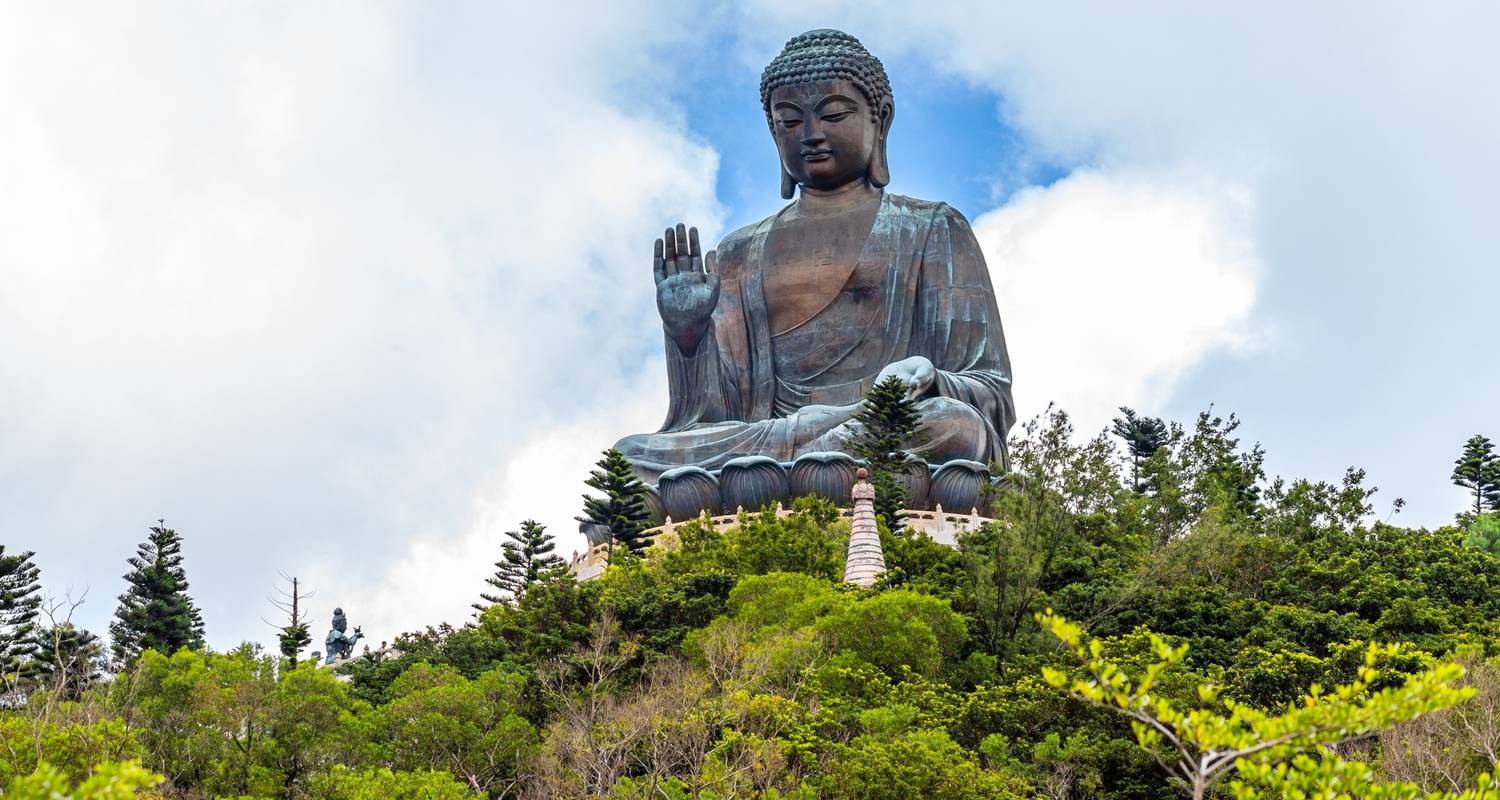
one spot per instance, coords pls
(622, 509)
(889, 419)
(19, 604)
(1478, 470)
(1143, 436)
(155, 611)
(523, 561)
(295, 634)
(68, 659)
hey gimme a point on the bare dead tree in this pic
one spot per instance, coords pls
(1449, 748)
(589, 746)
(296, 633)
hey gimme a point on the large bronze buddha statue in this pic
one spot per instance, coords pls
(774, 338)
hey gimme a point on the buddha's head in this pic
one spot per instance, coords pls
(339, 620)
(829, 106)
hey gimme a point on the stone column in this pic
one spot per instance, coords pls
(865, 561)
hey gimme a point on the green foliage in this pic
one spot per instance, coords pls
(888, 420)
(68, 660)
(622, 507)
(1478, 470)
(1142, 436)
(109, 781)
(437, 717)
(523, 561)
(155, 612)
(734, 662)
(19, 604)
(923, 764)
(70, 748)
(342, 783)
(1059, 492)
(812, 540)
(291, 640)
(1484, 534)
(897, 629)
(1204, 744)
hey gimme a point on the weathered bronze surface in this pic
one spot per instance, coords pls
(340, 644)
(774, 338)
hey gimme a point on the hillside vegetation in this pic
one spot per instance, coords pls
(1124, 616)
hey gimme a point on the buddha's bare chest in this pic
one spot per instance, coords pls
(807, 264)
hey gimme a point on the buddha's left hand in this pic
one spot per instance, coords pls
(916, 372)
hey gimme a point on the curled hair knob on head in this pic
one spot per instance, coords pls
(825, 54)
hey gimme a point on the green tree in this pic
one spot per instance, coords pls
(888, 419)
(155, 611)
(68, 659)
(1484, 534)
(438, 719)
(342, 783)
(1143, 436)
(110, 781)
(1478, 470)
(622, 508)
(1201, 746)
(1060, 494)
(923, 763)
(296, 633)
(19, 604)
(523, 561)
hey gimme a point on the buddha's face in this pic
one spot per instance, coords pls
(825, 132)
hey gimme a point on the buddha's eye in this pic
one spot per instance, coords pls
(836, 116)
(790, 123)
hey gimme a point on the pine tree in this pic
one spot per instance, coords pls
(296, 633)
(19, 604)
(888, 421)
(622, 509)
(1478, 470)
(523, 561)
(155, 611)
(68, 659)
(1484, 534)
(1143, 436)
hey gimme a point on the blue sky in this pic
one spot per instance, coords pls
(347, 292)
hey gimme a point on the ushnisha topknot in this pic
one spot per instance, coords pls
(825, 54)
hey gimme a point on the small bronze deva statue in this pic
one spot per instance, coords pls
(340, 644)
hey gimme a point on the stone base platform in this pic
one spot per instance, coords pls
(941, 525)
(759, 481)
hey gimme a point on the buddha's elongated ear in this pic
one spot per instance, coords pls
(788, 185)
(879, 171)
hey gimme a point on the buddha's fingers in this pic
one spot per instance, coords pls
(684, 253)
(669, 255)
(658, 266)
(710, 263)
(695, 249)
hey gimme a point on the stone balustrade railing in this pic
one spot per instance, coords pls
(942, 526)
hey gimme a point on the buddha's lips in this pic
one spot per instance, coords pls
(817, 155)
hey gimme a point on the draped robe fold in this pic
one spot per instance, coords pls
(920, 287)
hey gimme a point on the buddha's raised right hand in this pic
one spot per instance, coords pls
(687, 286)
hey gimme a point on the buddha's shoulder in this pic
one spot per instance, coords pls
(734, 248)
(739, 238)
(924, 211)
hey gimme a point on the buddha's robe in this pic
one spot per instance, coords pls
(919, 288)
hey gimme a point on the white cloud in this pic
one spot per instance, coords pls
(295, 277)
(1113, 287)
(439, 573)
